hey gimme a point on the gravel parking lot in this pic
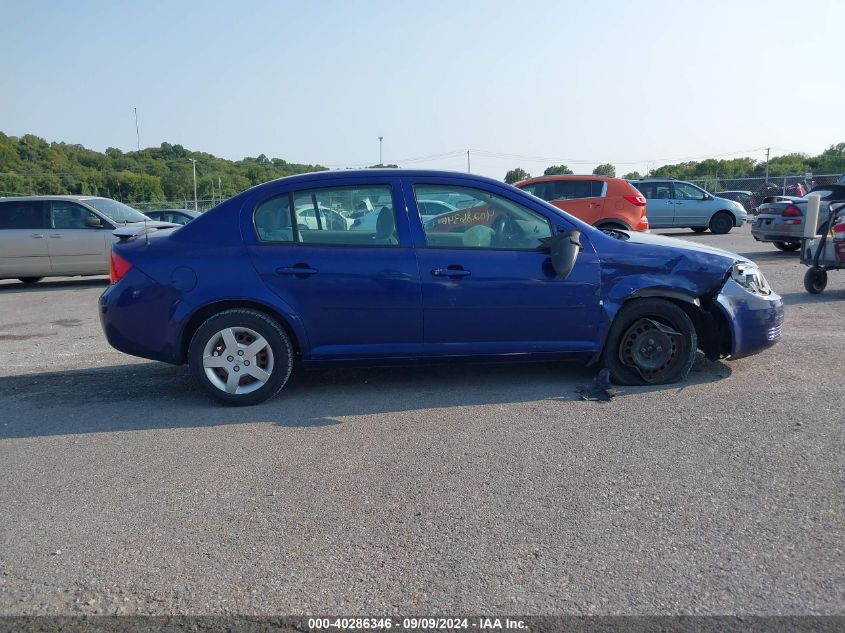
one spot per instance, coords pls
(428, 490)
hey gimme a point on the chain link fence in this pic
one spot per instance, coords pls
(202, 205)
(783, 185)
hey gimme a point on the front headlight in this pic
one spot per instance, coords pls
(747, 275)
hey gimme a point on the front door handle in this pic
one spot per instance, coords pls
(56, 235)
(450, 272)
(296, 269)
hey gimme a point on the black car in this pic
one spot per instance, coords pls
(176, 216)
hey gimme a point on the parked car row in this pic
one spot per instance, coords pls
(638, 205)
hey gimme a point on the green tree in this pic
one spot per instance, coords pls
(632, 175)
(516, 174)
(605, 169)
(557, 170)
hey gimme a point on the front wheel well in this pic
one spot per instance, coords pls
(727, 212)
(711, 327)
(200, 316)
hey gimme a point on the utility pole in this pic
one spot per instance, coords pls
(767, 163)
(137, 132)
(194, 161)
(380, 160)
(468, 169)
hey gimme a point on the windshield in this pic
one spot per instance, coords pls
(115, 210)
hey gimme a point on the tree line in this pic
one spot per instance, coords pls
(830, 161)
(31, 165)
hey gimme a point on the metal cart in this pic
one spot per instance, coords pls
(824, 252)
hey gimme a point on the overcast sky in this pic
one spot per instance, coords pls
(519, 83)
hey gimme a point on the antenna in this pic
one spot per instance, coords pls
(146, 235)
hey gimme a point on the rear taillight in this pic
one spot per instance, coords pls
(792, 211)
(637, 200)
(839, 232)
(118, 267)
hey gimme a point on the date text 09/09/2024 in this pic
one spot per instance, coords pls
(424, 623)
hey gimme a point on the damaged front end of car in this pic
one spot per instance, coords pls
(733, 308)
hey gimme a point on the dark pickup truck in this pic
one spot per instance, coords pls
(780, 219)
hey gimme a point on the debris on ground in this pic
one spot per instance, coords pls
(600, 390)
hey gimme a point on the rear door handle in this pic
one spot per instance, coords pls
(296, 269)
(450, 272)
(37, 235)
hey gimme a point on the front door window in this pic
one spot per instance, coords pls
(484, 220)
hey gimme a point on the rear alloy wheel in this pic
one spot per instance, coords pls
(721, 223)
(241, 357)
(787, 246)
(815, 280)
(651, 341)
(30, 280)
(699, 229)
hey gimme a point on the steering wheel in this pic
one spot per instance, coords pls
(506, 231)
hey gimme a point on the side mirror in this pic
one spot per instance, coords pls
(93, 222)
(563, 248)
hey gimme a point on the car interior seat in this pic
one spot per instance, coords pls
(479, 236)
(273, 224)
(385, 227)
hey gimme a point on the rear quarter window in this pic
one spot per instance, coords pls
(22, 215)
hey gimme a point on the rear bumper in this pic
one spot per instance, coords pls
(137, 316)
(755, 321)
(776, 229)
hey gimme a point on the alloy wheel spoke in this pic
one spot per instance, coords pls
(212, 362)
(256, 346)
(232, 381)
(257, 373)
(229, 340)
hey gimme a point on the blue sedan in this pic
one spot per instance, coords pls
(247, 290)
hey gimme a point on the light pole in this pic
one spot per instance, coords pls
(194, 161)
(380, 161)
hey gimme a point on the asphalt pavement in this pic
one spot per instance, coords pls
(426, 490)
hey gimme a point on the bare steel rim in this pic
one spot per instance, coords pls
(652, 348)
(238, 360)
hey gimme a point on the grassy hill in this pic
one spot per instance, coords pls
(31, 165)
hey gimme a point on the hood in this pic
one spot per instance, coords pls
(686, 245)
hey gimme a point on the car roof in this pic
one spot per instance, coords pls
(67, 197)
(316, 176)
(528, 181)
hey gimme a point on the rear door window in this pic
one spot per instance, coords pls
(22, 215)
(572, 189)
(347, 216)
(655, 190)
